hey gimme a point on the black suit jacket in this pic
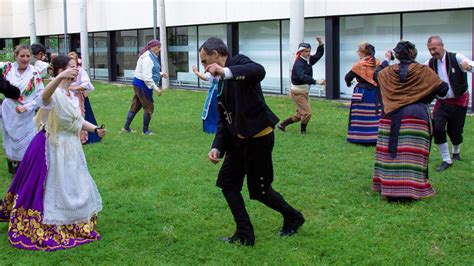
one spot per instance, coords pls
(7, 89)
(241, 105)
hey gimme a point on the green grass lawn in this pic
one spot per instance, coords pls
(161, 205)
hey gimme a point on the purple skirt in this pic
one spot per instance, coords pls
(22, 208)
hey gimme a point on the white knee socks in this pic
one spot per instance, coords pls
(456, 148)
(444, 149)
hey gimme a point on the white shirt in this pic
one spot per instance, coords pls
(443, 72)
(144, 70)
(210, 78)
(42, 68)
(83, 80)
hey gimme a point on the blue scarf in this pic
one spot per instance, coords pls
(209, 98)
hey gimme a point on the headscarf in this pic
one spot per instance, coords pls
(405, 52)
(149, 45)
(301, 47)
(370, 49)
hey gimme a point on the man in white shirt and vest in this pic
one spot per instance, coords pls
(449, 114)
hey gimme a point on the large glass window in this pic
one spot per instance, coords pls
(312, 28)
(9, 43)
(205, 32)
(382, 31)
(61, 45)
(101, 65)
(91, 55)
(127, 46)
(454, 27)
(260, 41)
(182, 55)
(25, 41)
(52, 44)
(144, 36)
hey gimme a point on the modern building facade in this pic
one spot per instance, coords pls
(259, 29)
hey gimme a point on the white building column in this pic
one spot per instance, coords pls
(84, 36)
(296, 29)
(32, 22)
(164, 44)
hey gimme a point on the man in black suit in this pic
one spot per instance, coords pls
(245, 136)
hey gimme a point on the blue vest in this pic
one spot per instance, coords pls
(156, 68)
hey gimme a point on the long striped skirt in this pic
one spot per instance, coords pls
(364, 117)
(406, 175)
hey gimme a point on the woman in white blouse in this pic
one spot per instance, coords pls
(18, 126)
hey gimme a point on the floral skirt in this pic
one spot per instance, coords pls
(22, 208)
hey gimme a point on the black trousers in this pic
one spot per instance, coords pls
(251, 158)
(450, 119)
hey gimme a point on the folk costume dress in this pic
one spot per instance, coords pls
(53, 201)
(19, 129)
(366, 105)
(403, 144)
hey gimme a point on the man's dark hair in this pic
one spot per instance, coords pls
(37, 48)
(214, 43)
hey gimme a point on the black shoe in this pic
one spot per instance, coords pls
(303, 128)
(456, 157)
(10, 167)
(443, 166)
(291, 225)
(236, 240)
(15, 166)
(281, 127)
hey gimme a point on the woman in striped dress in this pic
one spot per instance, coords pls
(403, 144)
(365, 103)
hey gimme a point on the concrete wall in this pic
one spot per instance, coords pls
(106, 15)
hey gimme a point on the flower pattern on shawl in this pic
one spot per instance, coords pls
(6, 69)
(30, 88)
(34, 82)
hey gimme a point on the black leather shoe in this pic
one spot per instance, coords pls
(443, 166)
(291, 226)
(237, 240)
(281, 127)
(456, 157)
